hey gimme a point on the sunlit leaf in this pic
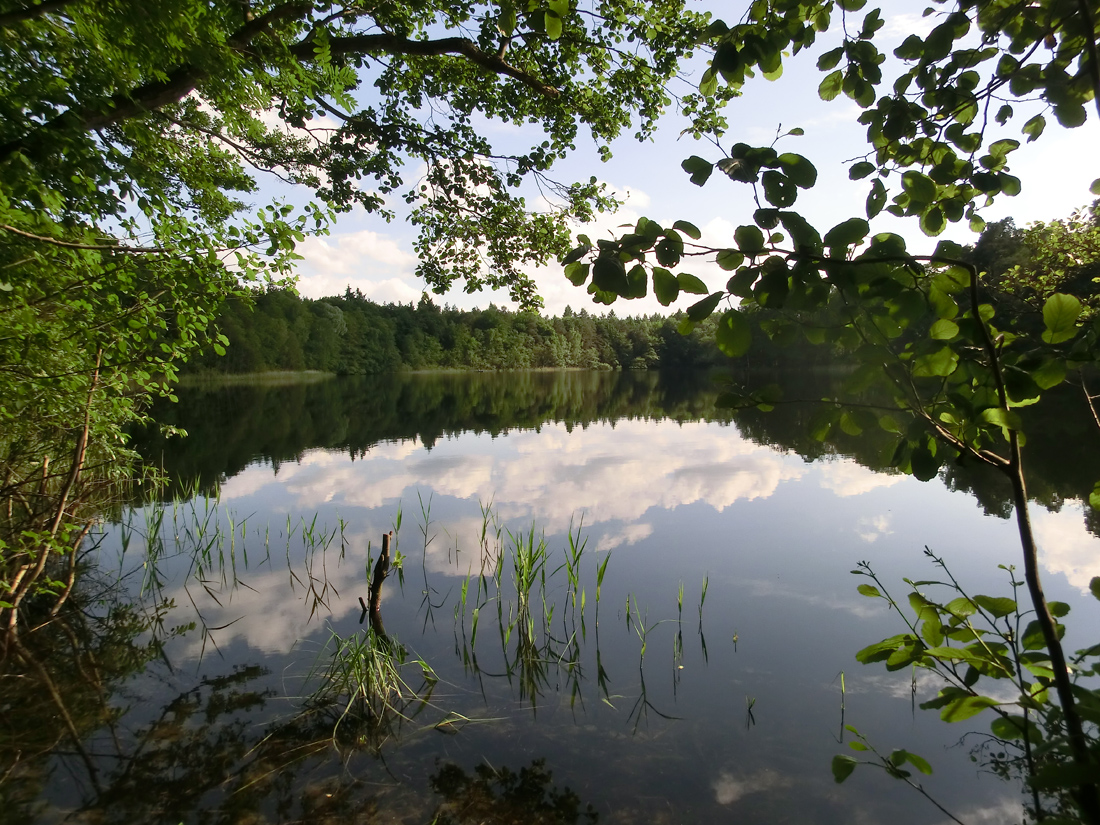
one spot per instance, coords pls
(1060, 313)
(962, 709)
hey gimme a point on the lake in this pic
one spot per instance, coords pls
(703, 674)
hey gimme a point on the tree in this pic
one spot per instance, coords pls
(132, 135)
(1059, 256)
(956, 371)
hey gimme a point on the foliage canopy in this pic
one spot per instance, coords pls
(132, 139)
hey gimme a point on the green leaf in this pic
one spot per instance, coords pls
(996, 606)
(779, 189)
(849, 232)
(870, 590)
(1094, 497)
(919, 186)
(1050, 373)
(609, 275)
(1094, 189)
(1060, 313)
(636, 282)
(961, 607)
(702, 310)
(689, 229)
(876, 199)
(944, 330)
(577, 273)
(1005, 419)
(831, 86)
(932, 222)
(749, 239)
(699, 168)
(708, 85)
(962, 709)
(925, 465)
(861, 170)
(729, 259)
(798, 169)
(843, 767)
(1094, 585)
(830, 58)
(941, 363)
(576, 254)
(665, 286)
(1034, 127)
(553, 25)
(734, 333)
(1014, 727)
(689, 283)
(919, 763)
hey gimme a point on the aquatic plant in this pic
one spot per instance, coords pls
(976, 645)
(362, 676)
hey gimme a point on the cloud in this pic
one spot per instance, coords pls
(871, 528)
(630, 534)
(1065, 546)
(377, 264)
(846, 478)
(860, 607)
(729, 788)
(1009, 809)
(609, 474)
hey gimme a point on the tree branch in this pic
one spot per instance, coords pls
(10, 18)
(393, 44)
(183, 80)
(154, 95)
(136, 250)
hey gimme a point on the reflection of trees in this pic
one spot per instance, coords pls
(232, 426)
(501, 796)
(56, 687)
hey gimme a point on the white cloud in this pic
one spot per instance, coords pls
(847, 478)
(1065, 547)
(607, 473)
(630, 534)
(729, 788)
(379, 265)
(871, 528)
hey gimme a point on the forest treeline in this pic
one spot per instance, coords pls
(352, 335)
(277, 330)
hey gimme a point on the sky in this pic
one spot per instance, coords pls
(367, 253)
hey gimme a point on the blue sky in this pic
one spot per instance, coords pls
(367, 253)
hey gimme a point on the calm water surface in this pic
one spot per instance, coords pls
(730, 713)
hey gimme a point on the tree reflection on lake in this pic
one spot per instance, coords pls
(616, 697)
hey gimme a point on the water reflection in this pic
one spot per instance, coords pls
(639, 704)
(392, 418)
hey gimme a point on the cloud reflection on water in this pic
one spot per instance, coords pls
(612, 475)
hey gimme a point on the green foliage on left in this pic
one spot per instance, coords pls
(133, 135)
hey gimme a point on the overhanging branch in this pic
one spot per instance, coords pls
(184, 79)
(393, 44)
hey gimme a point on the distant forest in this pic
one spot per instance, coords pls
(351, 335)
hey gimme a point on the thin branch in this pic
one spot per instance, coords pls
(394, 44)
(133, 250)
(8, 19)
